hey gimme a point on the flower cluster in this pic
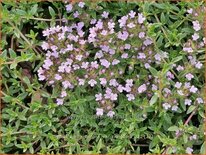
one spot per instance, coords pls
(114, 57)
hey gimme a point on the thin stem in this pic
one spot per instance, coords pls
(16, 101)
(180, 133)
(43, 19)
(21, 34)
(163, 30)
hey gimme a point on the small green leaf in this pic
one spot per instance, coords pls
(190, 109)
(153, 99)
(174, 60)
(51, 11)
(162, 18)
(202, 149)
(173, 128)
(153, 71)
(33, 9)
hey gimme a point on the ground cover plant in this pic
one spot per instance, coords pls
(102, 77)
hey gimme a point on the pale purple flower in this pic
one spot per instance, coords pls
(189, 150)
(174, 108)
(79, 57)
(99, 54)
(93, 21)
(141, 18)
(123, 35)
(92, 82)
(129, 82)
(187, 85)
(127, 88)
(76, 67)
(76, 14)
(180, 68)
(130, 97)
(41, 77)
(113, 82)
(46, 32)
(113, 97)
(115, 62)
(198, 65)
(85, 65)
(178, 84)
(170, 75)
(105, 63)
(47, 64)
(104, 32)
(190, 11)
(195, 36)
(157, 57)
(61, 68)
(110, 114)
(105, 14)
(45, 45)
(199, 100)
(124, 55)
(54, 48)
(131, 25)
(103, 81)
(188, 49)
(141, 35)
(59, 101)
(146, 65)
(68, 61)
(81, 4)
(98, 97)
(166, 106)
(69, 47)
(68, 69)
(196, 25)
(122, 21)
(99, 24)
(132, 14)
(188, 102)
(154, 87)
(189, 76)
(99, 111)
(58, 77)
(120, 88)
(193, 137)
(193, 89)
(63, 93)
(142, 88)
(111, 25)
(66, 84)
(127, 46)
(94, 64)
(81, 82)
(141, 56)
(69, 7)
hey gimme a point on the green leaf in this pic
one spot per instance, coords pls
(159, 41)
(174, 60)
(33, 9)
(162, 18)
(12, 53)
(52, 12)
(153, 71)
(202, 149)
(190, 109)
(153, 99)
(100, 145)
(173, 128)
